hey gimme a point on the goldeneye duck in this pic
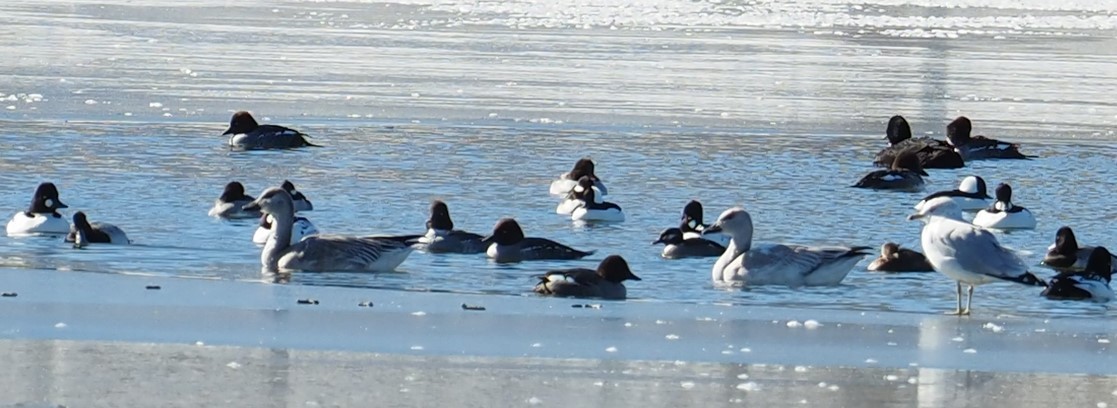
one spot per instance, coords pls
(301, 229)
(904, 175)
(84, 232)
(247, 134)
(933, 154)
(441, 236)
(231, 203)
(590, 209)
(507, 244)
(583, 189)
(978, 147)
(1003, 214)
(893, 258)
(301, 202)
(1091, 283)
(607, 282)
(567, 181)
(1065, 255)
(777, 264)
(676, 247)
(971, 195)
(323, 253)
(693, 226)
(42, 216)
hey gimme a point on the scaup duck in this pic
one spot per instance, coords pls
(978, 147)
(1065, 255)
(441, 236)
(231, 203)
(933, 154)
(1091, 283)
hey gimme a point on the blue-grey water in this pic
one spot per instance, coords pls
(777, 107)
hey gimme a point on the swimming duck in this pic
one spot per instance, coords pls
(971, 195)
(507, 244)
(933, 154)
(606, 282)
(301, 202)
(302, 228)
(1090, 284)
(85, 232)
(1065, 255)
(676, 247)
(322, 253)
(777, 264)
(693, 226)
(966, 253)
(567, 181)
(231, 203)
(1003, 214)
(42, 216)
(978, 147)
(893, 258)
(249, 135)
(590, 209)
(441, 236)
(904, 175)
(577, 196)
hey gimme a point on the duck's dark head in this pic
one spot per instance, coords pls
(958, 131)
(1100, 263)
(584, 167)
(584, 189)
(298, 196)
(1065, 242)
(234, 191)
(898, 130)
(670, 236)
(1004, 193)
(614, 269)
(46, 199)
(81, 223)
(506, 232)
(692, 213)
(440, 217)
(242, 122)
(909, 161)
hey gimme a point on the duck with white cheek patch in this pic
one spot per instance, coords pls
(42, 216)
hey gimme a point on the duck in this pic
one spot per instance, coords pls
(1092, 283)
(441, 236)
(583, 188)
(1003, 214)
(84, 232)
(42, 216)
(607, 282)
(302, 227)
(246, 134)
(231, 203)
(590, 209)
(978, 147)
(1065, 255)
(893, 258)
(507, 244)
(968, 254)
(971, 195)
(323, 253)
(904, 175)
(933, 154)
(567, 181)
(777, 264)
(677, 247)
(693, 226)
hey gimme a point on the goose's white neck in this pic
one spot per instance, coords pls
(280, 239)
(732, 251)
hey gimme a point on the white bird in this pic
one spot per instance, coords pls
(42, 216)
(971, 195)
(777, 264)
(969, 254)
(320, 253)
(1003, 214)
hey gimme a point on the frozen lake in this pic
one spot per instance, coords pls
(778, 106)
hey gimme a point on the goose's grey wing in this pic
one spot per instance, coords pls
(777, 262)
(341, 253)
(977, 250)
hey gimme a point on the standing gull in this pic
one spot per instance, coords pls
(966, 253)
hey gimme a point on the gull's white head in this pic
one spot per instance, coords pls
(938, 207)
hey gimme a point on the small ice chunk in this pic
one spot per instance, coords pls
(660, 322)
(870, 361)
(416, 348)
(969, 351)
(833, 388)
(199, 343)
(822, 384)
(811, 324)
(415, 95)
(60, 325)
(993, 327)
(743, 376)
(748, 386)
(800, 369)
(892, 377)
(745, 350)
(672, 336)
(90, 101)
(794, 324)
(233, 364)
(534, 401)
(155, 105)
(1103, 341)
(687, 385)
(958, 339)
(419, 313)
(611, 349)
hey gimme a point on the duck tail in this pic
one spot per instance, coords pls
(860, 250)
(1029, 279)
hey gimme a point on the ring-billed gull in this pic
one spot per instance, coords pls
(967, 253)
(777, 264)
